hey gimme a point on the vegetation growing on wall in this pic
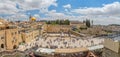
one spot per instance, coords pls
(58, 22)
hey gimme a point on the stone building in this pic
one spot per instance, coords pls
(77, 24)
(12, 34)
(111, 45)
(12, 39)
(56, 28)
(109, 53)
(9, 36)
(29, 35)
(2, 40)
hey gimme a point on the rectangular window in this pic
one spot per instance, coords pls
(12, 33)
(19, 32)
(2, 37)
(15, 32)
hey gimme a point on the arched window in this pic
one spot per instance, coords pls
(2, 45)
(14, 47)
(23, 41)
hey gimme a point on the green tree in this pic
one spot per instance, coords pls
(60, 22)
(88, 24)
(66, 22)
(57, 21)
(53, 23)
(48, 22)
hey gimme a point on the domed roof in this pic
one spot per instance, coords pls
(33, 18)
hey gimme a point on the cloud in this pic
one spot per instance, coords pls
(108, 14)
(18, 16)
(67, 6)
(16, 9)
(108, 9)
(55, 15)
(36, 4)
(8, 7)
(106, 20)
(13, 7)
(37, 16)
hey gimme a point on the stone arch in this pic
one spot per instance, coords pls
(2, 45)
(14, 47)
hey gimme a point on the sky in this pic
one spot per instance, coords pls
(100, 11)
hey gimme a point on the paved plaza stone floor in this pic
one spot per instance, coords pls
(62, 42)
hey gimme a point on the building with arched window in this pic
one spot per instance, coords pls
(9, 36)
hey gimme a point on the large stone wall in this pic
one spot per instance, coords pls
(109, 53)
(12, 39)
(2, 40)
(76, 33)
(57, 28)
(27, 37)
(9, 39)
(112, 45)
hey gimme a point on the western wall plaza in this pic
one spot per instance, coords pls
(59, 28)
